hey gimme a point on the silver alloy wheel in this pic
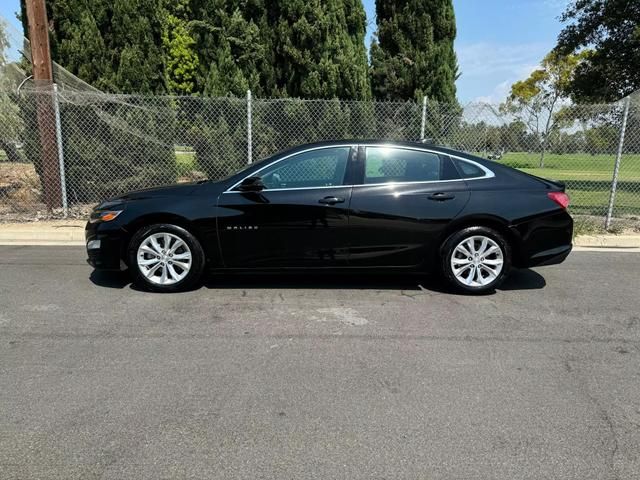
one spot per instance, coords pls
(164, 258)
(477, 261)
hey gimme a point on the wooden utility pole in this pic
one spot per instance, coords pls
(43, 76)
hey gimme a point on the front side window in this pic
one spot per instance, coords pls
(316, 168)
(390, 165)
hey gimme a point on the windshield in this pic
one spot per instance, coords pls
(244, 169)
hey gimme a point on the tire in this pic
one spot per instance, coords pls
(158, 269)
(487, 268)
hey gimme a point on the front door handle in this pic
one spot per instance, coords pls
(441, 196)
(331, 200)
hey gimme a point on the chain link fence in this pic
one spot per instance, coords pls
(62, 151)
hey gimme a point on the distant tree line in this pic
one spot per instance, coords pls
(516, 137)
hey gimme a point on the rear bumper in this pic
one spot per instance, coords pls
(544, 240)
(553, 256)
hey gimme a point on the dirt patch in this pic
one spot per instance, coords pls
(21, 197)
(594, 225)
(20, 188)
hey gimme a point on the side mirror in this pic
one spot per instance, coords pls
(251, 184)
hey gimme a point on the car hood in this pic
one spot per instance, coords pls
(166, 191)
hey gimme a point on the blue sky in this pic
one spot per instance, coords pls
(499, 41)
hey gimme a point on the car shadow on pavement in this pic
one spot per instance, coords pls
(109, 279)
(518, 280)
(523, 279)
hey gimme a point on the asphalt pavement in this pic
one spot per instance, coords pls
(326, 377)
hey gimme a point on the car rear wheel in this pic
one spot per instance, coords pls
(476, 259)
(165, 258)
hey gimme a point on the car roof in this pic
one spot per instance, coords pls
(397, 143)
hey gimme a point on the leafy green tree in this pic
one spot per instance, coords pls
(610, 29)
(602, 138)
(536, 100)
(632, 138)
(181, 60)
(413, 55)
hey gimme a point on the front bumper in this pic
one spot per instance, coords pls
(110, 248)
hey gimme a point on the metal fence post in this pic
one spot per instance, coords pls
(249, 129)
(616, 168)
(424, 118)
(63, 183)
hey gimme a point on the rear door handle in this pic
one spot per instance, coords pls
(441, 196)
(331, 200)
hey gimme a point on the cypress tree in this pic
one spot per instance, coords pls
(233, 42)
(319, 46)
(413, 55)
(135, 45)
(114, 45)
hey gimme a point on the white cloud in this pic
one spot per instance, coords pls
(489, 69)
(484, 58)
(498, 94)
(501, 90)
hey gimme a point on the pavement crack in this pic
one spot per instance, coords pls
(412, 296)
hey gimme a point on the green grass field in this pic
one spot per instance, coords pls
(575, 166)
(185, 162)
(588, 179)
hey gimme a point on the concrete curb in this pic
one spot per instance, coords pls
(608, 241)
(72, 233)
(43, 233)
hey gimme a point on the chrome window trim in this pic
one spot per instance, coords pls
(487, 173)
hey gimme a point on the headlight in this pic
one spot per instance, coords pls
(104, 216)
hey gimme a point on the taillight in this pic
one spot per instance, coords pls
(560, 198)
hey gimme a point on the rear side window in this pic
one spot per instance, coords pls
(390, 165)
(468, 170)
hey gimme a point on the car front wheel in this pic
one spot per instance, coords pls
(476, 259)
(165, 258)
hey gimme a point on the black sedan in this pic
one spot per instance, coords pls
(364, 206)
